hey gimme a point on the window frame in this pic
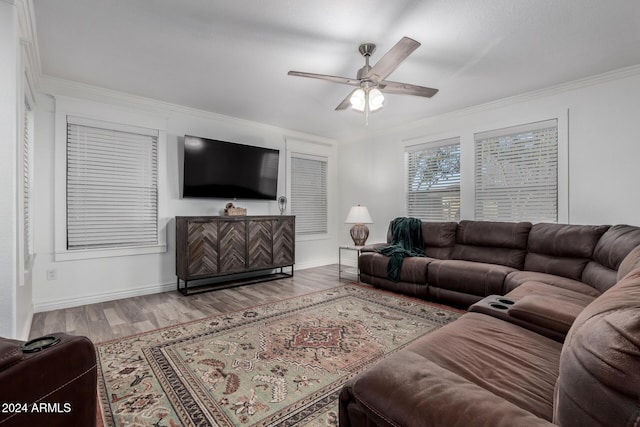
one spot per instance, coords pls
(90, 110)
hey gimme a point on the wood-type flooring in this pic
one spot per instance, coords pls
(114, 319)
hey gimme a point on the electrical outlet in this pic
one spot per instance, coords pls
(52, 274)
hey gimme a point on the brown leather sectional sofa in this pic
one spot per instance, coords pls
(470, 260)
(552, 336)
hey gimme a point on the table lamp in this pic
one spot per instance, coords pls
(359, 216)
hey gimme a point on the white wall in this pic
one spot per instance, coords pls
(17, 60)
(86, 281)
(9, 43)
(598, 143)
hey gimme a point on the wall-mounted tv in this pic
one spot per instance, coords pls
(227, 170)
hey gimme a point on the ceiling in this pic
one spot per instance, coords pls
(232, 57)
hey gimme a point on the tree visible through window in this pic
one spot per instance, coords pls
(433, 181)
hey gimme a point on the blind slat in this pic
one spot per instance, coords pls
(111, 187)
(309, 194)
(516, 173)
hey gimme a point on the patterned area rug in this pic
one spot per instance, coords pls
(279, 364)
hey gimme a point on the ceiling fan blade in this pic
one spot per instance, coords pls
(335, 79)
(406, 89)
(390, 61)
(346, 103)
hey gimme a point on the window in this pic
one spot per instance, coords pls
(309, 193)
(433, 180)
(112, 188)
(516, 173)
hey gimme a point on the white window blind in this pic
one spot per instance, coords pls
(112, 190)
(309, 193)
(433, 180)
(27, 182)
(516, 173)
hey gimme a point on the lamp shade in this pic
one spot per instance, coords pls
(358, 215)
(358, 100)
(376, 99)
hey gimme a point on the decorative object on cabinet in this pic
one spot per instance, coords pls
(231, 210)
(282, 204)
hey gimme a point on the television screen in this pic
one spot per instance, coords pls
(226, 170)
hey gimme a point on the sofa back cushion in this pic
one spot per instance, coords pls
(491, 242)
(439, 238)
(611, 250)
(599, 379)
(630, 263)
(562, 249)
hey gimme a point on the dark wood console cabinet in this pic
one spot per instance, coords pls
(219, 246)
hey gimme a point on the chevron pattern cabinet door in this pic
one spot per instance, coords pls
(260, 246)
(233, 245)
(215, 246)
(284, 241)
(202, 241)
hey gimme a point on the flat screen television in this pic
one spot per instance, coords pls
(228, 170)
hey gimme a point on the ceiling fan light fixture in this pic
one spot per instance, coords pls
(376, 99)
(358, 99)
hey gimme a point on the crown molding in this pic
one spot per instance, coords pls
(558, 89)
(55, 86)
(29, 41)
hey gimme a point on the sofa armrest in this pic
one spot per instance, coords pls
(553, 312)
(373, 247)
(10, 353)
(413, 391)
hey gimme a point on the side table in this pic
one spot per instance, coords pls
(349, 268)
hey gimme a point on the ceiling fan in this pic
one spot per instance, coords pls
(370, 81)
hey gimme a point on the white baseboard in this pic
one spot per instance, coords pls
(62, 303)
(316, 263)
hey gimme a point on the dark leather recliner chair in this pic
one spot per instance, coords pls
(49, 381)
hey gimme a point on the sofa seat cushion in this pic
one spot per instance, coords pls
(414, 269)
(477, 356)
(410, 391)
(475, 278)
(512, 362)
(545, 289)
(517, 278)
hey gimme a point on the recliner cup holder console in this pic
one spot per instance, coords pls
(501, 307)
(501, 303)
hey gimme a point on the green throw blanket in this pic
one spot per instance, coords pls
(406, 240)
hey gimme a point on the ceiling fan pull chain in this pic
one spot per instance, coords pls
(366, 107)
